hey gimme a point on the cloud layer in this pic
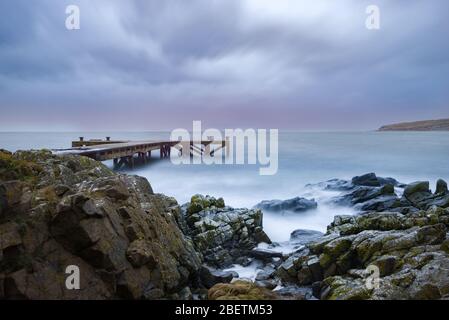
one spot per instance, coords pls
(151, 65)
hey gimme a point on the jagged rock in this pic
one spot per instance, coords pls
(266, 273)
(222, 233)
(404, 238)
(210, 276)
(362, 194)
(371, 180)
(404, 248)
(441, 187)
(419, 194)
(270, 284)
(69, 210)
(297, 204)
(391, 181)
(333, 185)
(199, 203)
(368, 179)
(264, 255)
(417, 187)
(292, 292)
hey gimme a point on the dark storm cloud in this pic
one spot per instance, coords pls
(160, 64)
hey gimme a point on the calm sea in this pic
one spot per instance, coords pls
(303, 158)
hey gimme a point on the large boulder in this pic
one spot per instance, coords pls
(70, 210)
(369, 180)
(296, 205)
(417, 187)
(441, 187)
(419, 194)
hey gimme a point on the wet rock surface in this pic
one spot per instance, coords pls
(295, 205)
(397, 249)
(371, 193)
(303, 237)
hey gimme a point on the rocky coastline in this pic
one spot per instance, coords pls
(132, 243)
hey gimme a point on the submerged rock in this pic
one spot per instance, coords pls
(303, 237)
(264, 254)
(297, 204)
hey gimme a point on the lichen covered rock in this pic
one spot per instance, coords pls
(222, 234)
(240, 290)
(57, 211)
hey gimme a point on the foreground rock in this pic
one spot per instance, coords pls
(240, 290)
(57, 211)
(223, 234)
(244, 290)
(295, 205)
(401, 254)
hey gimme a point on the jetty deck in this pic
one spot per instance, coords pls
(126, 153)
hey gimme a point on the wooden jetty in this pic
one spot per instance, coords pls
(126, 153)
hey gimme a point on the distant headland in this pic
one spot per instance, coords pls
(426, 125)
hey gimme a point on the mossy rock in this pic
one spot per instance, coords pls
(344, 289)
(403, 280)
(13, 168)
(199, 203)
(445, 246)
(387, 265)
(325, 260)
(337, 247)
(240, 290)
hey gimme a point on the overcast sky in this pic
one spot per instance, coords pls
(291, 64)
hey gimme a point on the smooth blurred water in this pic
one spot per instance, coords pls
(303, 158)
